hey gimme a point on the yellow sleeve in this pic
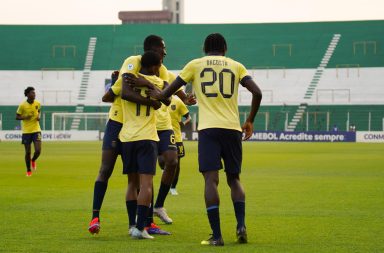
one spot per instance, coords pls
(163, 73)
(116, 88)
(20, 110)
(171, 77)
(242, 71)
(183, 109)
(131, 65)
(187, 73)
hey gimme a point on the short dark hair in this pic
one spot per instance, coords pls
(152, 41)
(150, 59)
(27, 90)
(215, 42)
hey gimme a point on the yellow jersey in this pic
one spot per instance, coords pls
(25, 109)
(215, 80)
(131, 65)
(163, 118)
(140, 120)
(115, 112)
(177, 109)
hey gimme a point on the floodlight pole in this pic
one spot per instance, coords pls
(347, 128)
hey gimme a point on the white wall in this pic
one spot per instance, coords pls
(279, 86)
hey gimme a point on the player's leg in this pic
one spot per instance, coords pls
(238, 199)
(27, 157)
(110, 150)
(160, 160)
(108, 159)
(146, 153)
(232, 156)
(151, 227)
(175, 179)
(180, 154)
(131, 199)
(212, 203)
(168, 151)
(209, 166)
(37, 152)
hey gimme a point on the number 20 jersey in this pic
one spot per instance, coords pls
(215, 81)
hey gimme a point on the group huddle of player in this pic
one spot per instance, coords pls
(148, 107)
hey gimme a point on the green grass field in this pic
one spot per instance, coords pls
(300, 197)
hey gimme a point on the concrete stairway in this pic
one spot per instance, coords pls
(84, 82)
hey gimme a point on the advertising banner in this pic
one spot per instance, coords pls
(322, 136)
(54, 136)
(374, 136)
(280, 136)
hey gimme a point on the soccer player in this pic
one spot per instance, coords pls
(167, 148)
(132, 66)
(215, 79)
(110, 150)
(167, 157)
(139, 141)
(29, 113)
(178, 110)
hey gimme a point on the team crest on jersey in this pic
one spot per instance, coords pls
(36, 107)
(130, 66)
(173, 107)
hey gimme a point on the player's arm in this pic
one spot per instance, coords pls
(38, 114)
(19, 114)
(142, 82)
(166, 101)
(109, 96)
(187, 98)
(21, 117)
(127, 93)
(251, 86)
(170, 90)
(187, 119)
(139, 82)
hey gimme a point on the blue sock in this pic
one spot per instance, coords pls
(163, 192)
(240, 213)
(214, 220)
(142, 213)
(98, 196)
(150, 213)
(131, 210)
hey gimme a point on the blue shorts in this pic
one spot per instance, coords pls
(111, 136)
(139, 157)
(167, 141)
(29, 138)
(216, 144)
(180, 149)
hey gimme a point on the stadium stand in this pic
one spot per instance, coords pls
(313, 75)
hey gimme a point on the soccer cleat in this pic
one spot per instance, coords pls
(241, 235)
(156, 230)
(131, 229)
(173, 191)
(29, 173)
(94, 226)
(162, 214)
(34, 165)
(213, 242)
(137, 234)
